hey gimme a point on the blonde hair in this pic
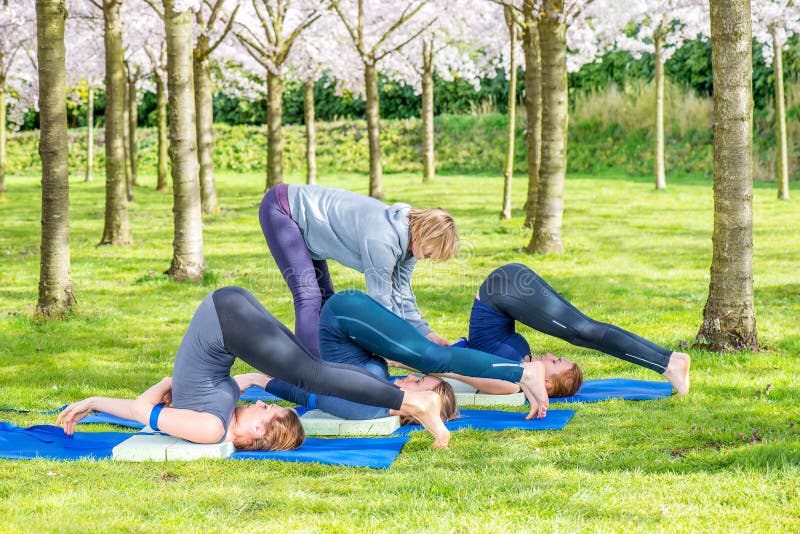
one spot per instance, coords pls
(434, 231)
(449, 409)
(283, 433)
(565, 383)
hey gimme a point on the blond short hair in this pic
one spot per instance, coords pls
(284, 433)
(434, 231)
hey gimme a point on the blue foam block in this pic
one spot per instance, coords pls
(619, 388)
(500, 420)
(378, 453)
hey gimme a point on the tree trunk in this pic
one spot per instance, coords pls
(55, 285)
(161, 106)
(90, 136)
(204, 107)
(187, 258)
(553, 167)
(661, 182)
(508, 174)
(428, 153)
(729, 320)
(373, 131)
(126, 139)
(117, 229)
(533, 110)
(3, 141)
(311, 133)
(780, 121)
(274, 139)
(133, 119)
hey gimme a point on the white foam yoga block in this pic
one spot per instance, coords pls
(159, 447)
(319, 423)
(468, 395)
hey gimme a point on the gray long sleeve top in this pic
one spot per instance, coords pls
(364, 234)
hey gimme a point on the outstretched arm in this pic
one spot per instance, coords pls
(492, 386)
(194, 426)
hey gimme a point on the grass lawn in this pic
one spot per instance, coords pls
(724, 458)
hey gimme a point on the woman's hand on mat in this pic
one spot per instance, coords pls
(73, 413)
(433, 336)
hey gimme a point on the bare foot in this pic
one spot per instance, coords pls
(532, 384)
(678, 372)
(425, 407)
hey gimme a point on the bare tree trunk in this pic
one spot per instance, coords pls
(274, 139)
(729, 320)
(661, 182)
(133, 119)
(3, 141)
(508, 174)
(187, 259)
(311, 133)
(373, 131)
(204, 107)
(126, 138)
(117, 230)
(428, 153)
(55, 285)
(780, 120)
(161, 106)
(552, 171)
(533, 111)
(90, 136)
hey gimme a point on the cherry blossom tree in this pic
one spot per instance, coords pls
(453, 45)
(268, 29)
(85, 63)
(55, 283)
(661, 28)
(214, 21)
(774, 22)
(17, 42)
(188, 262)
(729, 320)
(116, 230)
(377, 29)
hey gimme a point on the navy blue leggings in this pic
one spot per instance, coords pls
(519, 293)
(308, 279)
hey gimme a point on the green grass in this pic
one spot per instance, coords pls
(724, 458)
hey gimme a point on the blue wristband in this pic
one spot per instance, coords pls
(154, 413)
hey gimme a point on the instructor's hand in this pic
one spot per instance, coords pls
(437, 339)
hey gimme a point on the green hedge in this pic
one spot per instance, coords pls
(464, 144)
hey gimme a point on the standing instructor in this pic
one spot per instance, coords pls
(305, 225)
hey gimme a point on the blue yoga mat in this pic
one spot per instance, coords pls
(619, 388)
(50, 442)
(499, 420)
(378, 453)
(47, 441)
(255, 393)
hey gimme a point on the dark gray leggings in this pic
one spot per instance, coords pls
(521, 294)
(251, 333)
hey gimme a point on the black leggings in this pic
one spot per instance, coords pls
(251, 333)
(518, 292)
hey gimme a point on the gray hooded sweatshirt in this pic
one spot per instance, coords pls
(364, 234)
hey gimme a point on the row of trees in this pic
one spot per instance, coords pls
(307, 38)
